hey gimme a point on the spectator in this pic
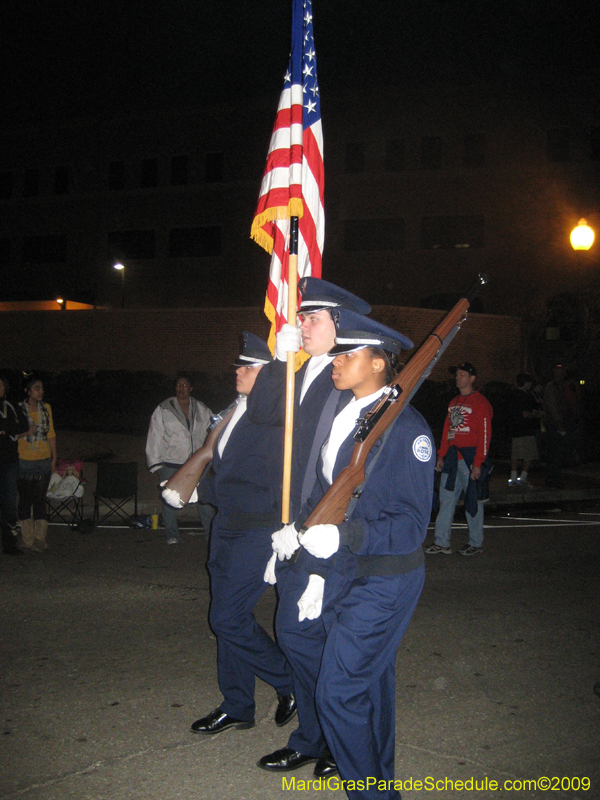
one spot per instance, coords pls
(178, 428)
(524, 428)
(464, 463)
(560, 420)
(12, 423)
(37, 462)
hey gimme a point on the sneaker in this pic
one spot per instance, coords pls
(434, 549)
(173, 541)
(524, 483)
(470, 550)
(513, 482)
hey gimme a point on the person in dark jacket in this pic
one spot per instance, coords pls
(366, 574)
(13, 422)
(244, 483)
(315, 403)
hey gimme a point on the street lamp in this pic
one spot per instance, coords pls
(121, 268)
(582, 237)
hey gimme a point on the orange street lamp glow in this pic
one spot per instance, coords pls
(582, 237)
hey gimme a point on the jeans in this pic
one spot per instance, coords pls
(8, 493)
(448, 502)
(34, 477)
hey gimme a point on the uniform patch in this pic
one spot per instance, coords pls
(422, 448)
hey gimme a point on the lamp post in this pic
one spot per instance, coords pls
(582, 238)
(121, 268)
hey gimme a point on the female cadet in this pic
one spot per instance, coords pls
(245, 486)
(368, 572)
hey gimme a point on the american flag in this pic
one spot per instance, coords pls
(293, 180)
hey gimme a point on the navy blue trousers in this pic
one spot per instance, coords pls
(236, 565)
(366, 619)
(302, 643)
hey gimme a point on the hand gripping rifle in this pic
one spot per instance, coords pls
(179, 488)
(348, 484)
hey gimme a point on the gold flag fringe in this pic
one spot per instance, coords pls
(293, 209)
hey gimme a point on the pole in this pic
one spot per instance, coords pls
(290, 374)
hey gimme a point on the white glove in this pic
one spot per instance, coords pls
(270, 576)
(171, 497)
(194, 496)
(321, 541)
(285, 542)
(312, 600)
(289, 339)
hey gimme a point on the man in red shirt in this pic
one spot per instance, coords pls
(463, 461)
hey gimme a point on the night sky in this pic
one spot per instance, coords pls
(71, 58)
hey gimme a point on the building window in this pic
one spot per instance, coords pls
(373, 234)
(116, 175)
(559, 145)
(44, 249)
(214, 167)
(394, 155)
(431, 152)
(61, 180)
(6, 185)
(132, 244)
(5, 252)
(31, 183)
(179, 170)
(474, 152)
(355, 158)
(447, 232)
(195, 242)
(149, 173)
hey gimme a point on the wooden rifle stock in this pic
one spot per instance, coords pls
(333, 505)
(187, 476)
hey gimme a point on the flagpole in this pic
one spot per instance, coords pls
(290, 374)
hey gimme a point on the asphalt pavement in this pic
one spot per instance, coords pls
(108, 658)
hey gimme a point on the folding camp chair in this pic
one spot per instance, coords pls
(64, 497)
(116, 485)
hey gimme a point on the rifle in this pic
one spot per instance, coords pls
(348, 484)
(179, 488)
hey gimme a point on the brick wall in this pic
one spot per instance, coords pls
(207, 339)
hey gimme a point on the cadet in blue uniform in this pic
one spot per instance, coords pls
(315, 404)
(245, 486)
(368, 572)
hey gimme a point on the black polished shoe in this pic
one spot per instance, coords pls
(217, 721)
(284, 760)
(325, 766)
(286, 709)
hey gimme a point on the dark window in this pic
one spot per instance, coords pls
(559, 145)
(116, 175)
(394, 155)
(195, 242)
(5, 251)
(149, 173)
(31, 183)
(61, 180)
(446, 232)
(132, 244)
(214, 167)
(431, 152)
(6, 185)
(355, 158)
(474, 153)
(373, 234)
(595, 144)
(44, 249)
(179, 170)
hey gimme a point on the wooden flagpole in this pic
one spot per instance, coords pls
(290, 374)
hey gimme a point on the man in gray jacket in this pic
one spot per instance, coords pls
(178, 428)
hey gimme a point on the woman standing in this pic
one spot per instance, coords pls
(367, 573)
(37, 462)
(178, 428)
(12, 423)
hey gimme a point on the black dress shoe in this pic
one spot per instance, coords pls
(286, 709)
(284, 760)
(217, 721)
(325, 766)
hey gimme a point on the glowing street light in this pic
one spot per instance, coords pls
(121, 268)
(582, 237)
